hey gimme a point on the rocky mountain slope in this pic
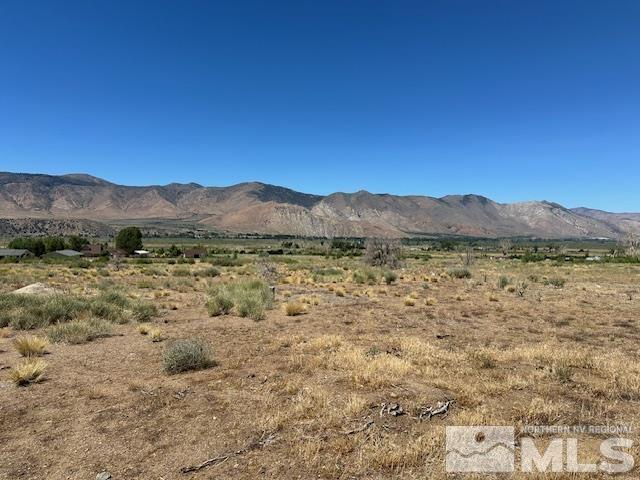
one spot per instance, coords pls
(262, 208)
(11, 227)
(627, 222)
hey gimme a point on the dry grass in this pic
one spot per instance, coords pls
(554, 355)
(156, 334)
(28, 372)
(294, 308)
(30, 346)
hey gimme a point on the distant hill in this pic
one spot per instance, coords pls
(262, 208)
(11, 227)
(627, 222)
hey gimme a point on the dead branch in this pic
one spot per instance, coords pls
(264, 440)
(359, 429)
(440, 409)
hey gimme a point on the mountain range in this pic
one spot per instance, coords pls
(261, 208)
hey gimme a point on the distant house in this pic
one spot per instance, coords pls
(14, 253)
(117, 253)
(141, 253)
(195, 253)
(64, 254)
(93, 250)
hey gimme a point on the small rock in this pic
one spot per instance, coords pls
(104, 476)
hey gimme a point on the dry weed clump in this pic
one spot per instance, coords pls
(294, 308)
(30, 346)
(28, 372)
(77, 332)
(409, 302)
(156, 334)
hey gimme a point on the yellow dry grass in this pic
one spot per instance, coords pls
(28, 372)
(30, 346)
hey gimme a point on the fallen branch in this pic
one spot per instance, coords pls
(263, 441)
(440, 409)
(359, 429)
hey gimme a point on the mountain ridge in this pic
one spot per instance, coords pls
(256, 207)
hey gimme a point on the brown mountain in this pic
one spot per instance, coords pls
(627, 222)
(262, 208)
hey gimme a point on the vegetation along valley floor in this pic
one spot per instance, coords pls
(147, 369)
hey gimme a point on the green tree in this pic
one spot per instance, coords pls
(52, 244)
(129, 239)
(34, 245)
(76, 242)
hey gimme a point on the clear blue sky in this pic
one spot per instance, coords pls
(515, 100)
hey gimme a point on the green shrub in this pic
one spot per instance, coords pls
(79, 331)
(153, 272)
(390, 277)
(186, 355)
(460, 273)
(503, 281)
(225, 261)
(207, 272)
(220, 302)
(24, 312)
(112, 312)
(247, 298)
(143, 311)
(181, 272)
(555, 282)
(325, 275)
(367, 276)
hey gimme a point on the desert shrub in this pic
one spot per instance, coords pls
(30, 346)
(390, 277)
(114, 297)
(31, 371)
(521, 288)
(323, 275)
(367, 276)
(251, 306)
(225, 261)
(381, 252)
(154, 272)
(207, 272)
(460, 273)
(294, 308)
(532, 257)
(79, 331)
(555, 282)
(220, 301)
(503, 281)
(103, 309)
(25, 312)
(181, 272)
(143, 311)
(186, 355)
(186, 261)
(248, 298)
(145, 284)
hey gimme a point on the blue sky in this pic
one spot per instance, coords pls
(512, 100)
